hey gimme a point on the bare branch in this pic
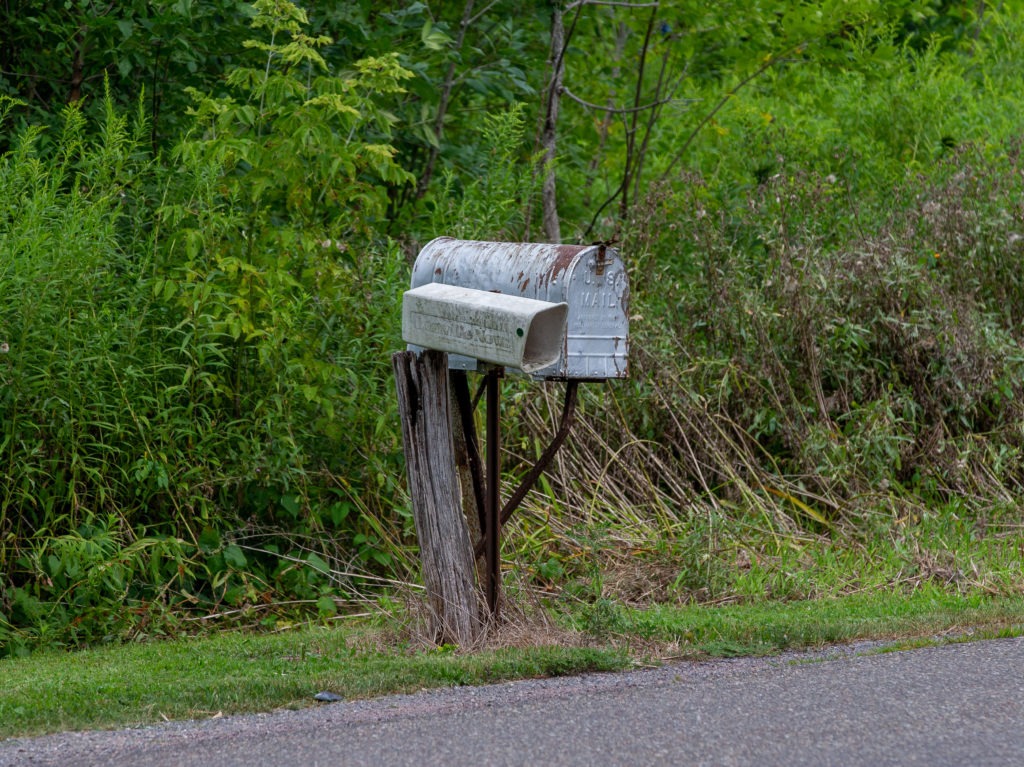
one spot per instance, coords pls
(628, 171)
(678, 83)
(605, 204)
(446, 93)
(579, 3)
(480, 15)
(621, 110)
(621, 34)
(60, 80)
(768, 64)
(652, 118)
(549, 131)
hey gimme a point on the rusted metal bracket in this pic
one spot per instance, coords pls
(565, 424)
(486, 494)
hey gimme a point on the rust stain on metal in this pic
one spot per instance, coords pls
(489, 248)
(565, 255)
(522, 283)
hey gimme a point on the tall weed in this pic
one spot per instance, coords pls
(492, 202)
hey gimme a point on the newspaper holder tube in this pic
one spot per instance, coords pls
(503, 330)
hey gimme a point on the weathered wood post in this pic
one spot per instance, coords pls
(446, 552)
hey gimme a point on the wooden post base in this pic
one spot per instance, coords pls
(446, 552)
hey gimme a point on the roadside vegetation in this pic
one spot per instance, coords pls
(232, 673)
(202, 258)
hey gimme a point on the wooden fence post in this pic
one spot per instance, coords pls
(446, 552)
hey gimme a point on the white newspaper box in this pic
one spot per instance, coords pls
(509, 331)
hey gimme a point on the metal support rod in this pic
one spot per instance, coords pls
(493, 533)
(565, 423)
(568, 414)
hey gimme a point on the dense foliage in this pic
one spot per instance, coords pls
(206, 214)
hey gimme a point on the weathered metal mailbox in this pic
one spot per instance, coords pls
(554, 312)
(590, 279)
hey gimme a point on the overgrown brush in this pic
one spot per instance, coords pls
(805, 391)
(856, 364)
(196, 414)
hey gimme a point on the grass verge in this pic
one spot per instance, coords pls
(765, 628)
(132, 685)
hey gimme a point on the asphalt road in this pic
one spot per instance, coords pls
(959, 704)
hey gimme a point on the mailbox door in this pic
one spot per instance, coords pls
(597, 328)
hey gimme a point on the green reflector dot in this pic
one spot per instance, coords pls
(519, 332)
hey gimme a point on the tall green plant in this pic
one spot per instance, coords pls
(67, 318)
(492, 201)
(283, 184)
(209, 371)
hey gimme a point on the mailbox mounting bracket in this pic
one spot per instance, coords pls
(486, 496)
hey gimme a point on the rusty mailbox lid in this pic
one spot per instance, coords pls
(591, 279)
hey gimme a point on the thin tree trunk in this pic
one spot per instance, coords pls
(979, 21)
(621, 36)
(652, 118)
(446, 552)
(628, 171)
(549, 136)
(78, 66)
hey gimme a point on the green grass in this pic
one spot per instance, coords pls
(766, 628)
(132, 685)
